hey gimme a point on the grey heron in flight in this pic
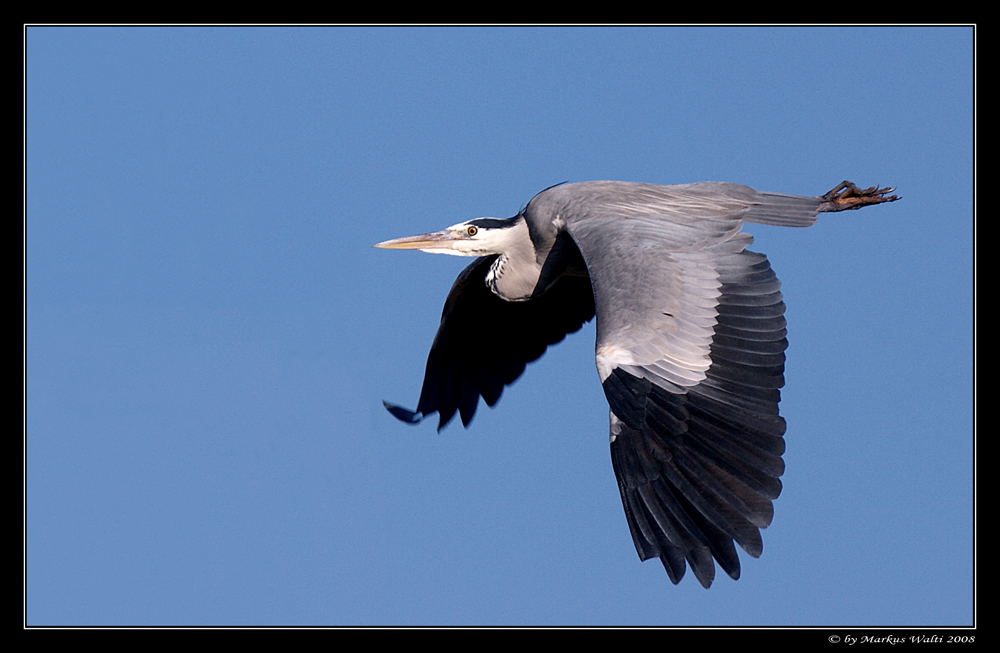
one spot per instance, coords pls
(690, 343)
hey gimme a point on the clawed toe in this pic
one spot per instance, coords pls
(847, 196)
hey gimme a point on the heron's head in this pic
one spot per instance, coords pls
(479, 237)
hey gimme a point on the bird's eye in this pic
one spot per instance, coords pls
(472, 231)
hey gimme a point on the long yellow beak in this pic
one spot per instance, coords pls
(437, 240)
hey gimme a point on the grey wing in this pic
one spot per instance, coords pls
(484, 342)
(690, 349)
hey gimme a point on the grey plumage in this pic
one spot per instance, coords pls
(690, 343)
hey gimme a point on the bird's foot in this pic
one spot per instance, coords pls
(846, 196)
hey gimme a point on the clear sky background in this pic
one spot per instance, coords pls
(210, 334)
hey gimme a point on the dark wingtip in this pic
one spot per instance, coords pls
(403, 414)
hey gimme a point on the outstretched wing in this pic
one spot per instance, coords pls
(484, 342)
(699, 468)
(690, 349)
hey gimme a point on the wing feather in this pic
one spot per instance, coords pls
(484, 343)
(690, 347)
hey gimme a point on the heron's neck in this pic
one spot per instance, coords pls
(514, 275)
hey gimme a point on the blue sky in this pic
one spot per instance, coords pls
(210, 335)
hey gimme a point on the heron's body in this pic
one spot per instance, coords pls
(690, 343)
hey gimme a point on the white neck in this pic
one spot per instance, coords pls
(514, 275)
